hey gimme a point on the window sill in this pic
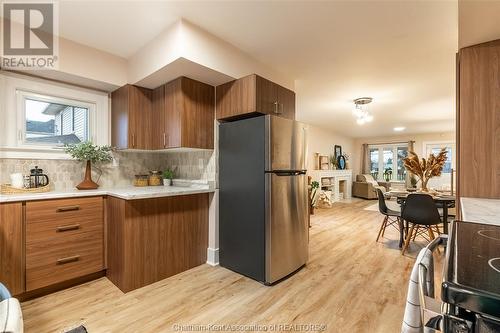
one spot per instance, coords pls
(34, 153)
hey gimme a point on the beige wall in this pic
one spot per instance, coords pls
(419, 139)
(478, 22)
(323, 141)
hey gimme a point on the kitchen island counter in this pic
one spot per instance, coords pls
(480, 210)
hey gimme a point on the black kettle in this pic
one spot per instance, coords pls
(38, 178)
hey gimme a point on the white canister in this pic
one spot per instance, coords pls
(17, 180)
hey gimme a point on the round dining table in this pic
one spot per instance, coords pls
(442, 201)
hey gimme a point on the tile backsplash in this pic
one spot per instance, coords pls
(65, 174)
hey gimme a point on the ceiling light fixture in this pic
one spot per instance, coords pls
(399, 129)
(361, 110)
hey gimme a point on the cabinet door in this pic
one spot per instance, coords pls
(286, 99)
(159, 138)
(198, 114)
(120, 134)
(172, 110)
(479, 121)
(11, 247)
(236, 98)
(266, 96)
(140, 120)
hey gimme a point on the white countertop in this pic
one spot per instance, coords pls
(480, 210)
(126, 192)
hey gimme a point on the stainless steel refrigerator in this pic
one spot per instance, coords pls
(263, 203)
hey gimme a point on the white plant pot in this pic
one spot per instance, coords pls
(167, 182)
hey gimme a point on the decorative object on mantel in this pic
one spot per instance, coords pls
(425, 169)
(317, 165)
(168, 175)
(89, 153)
(324, 164)
(333, 162)
(346, 157)
(341, 163)
(337, 151)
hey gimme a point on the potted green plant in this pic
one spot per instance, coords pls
(388, 174)
(314, 195)
(333, 162)
(168, 175)
(89, 153)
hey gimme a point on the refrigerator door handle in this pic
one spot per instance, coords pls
(284, 173)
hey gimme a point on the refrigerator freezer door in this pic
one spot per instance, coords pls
(286, 146)
(287, 230)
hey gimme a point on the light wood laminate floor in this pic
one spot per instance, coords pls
(350, 284)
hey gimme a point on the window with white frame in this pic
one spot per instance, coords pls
(41, 115)
(53, 121)
(386, 161)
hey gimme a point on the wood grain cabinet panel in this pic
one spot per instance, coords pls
(478, 132)
(152, 239)
(253, 95)
(131, 118)
(11, 247)
(64, 240)
(184, 110)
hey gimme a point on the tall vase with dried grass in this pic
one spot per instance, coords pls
(89, 153)
(425, 169)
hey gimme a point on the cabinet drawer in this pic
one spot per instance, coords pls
(59, 260)
(50, 220)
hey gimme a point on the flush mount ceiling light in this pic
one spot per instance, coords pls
(399, 128)
(361, 110)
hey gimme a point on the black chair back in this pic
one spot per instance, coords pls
(420, 208)
(382, 207)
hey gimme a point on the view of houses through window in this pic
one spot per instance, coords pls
(49, 123)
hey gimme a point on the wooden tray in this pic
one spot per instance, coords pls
(8, 189)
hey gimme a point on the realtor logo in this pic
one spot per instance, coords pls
(29, 35)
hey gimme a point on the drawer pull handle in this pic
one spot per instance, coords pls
(67, 260)
(68, 227)
(67, 208)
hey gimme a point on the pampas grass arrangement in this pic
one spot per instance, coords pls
(425, 169)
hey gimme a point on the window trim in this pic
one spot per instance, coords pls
(23, 95)
(9, 138)
(380, 147)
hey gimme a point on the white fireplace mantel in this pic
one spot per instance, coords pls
(341, 182)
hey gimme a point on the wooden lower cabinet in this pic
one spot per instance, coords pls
(11, 247)
(152, 239)
(64, 240)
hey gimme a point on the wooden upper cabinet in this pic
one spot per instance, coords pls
(478, 121)
(184, 112)
(253, 95)
(131, 118)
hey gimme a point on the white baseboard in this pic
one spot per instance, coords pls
(212, 256)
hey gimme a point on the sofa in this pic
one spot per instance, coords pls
(365, 187)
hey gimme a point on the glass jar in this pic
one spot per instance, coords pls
(141, 180)
(155, 178)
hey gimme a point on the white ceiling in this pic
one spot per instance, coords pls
(400, 53)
